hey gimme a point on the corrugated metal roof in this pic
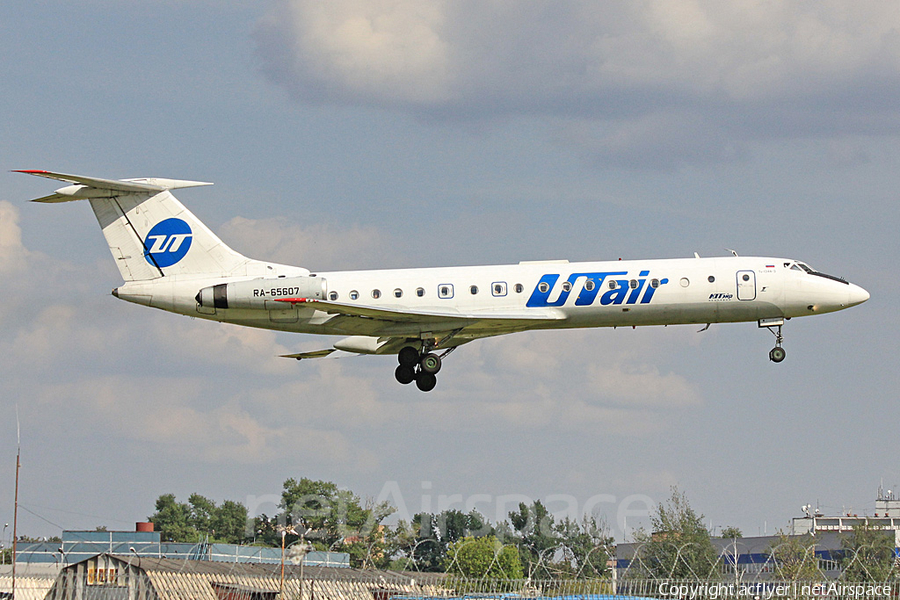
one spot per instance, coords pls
(168, 579)
(27, 588)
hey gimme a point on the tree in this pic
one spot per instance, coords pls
(202, 514)
(432, 535)
(199, 519)
(230, 522)
(483, 557)
(731, 533)
(867, 554)
(172, 520)
(587, 546)
(794, 557)
(535, 535)
(679, 546)
(333, 518)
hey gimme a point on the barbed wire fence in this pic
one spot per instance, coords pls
(780, 572)
(562, 572)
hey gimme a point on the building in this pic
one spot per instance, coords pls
(129, 577)
(886, 516)
(751, 557)
(77, 546)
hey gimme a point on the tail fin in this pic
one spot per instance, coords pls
(149, 232)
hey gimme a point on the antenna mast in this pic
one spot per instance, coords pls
(16, 505)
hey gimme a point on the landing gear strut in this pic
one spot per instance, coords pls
(421, 367)
(776, 354)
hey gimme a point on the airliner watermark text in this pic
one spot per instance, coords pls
(628, 511)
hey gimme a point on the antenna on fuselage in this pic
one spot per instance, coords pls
(732, 251)
(696, 255)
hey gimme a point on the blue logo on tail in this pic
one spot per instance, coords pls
(167, 243)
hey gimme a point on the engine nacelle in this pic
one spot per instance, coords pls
(261, 293)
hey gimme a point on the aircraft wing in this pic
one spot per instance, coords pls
(424, 317)
(394, 326)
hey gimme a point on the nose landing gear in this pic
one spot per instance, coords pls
(421, 367)
(776, 354)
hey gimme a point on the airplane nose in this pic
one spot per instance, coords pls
(857, 295)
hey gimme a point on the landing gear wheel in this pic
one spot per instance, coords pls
(777, 354)
(405, 374)
(425, 381)
(408, 356)
(431, 363)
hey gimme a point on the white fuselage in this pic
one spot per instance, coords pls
(587, 294)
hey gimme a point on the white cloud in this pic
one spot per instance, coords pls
(433, 52)
(649, 75)
(12, 253)
(315, 246)
(386, 50)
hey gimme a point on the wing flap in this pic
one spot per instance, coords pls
(313, 354)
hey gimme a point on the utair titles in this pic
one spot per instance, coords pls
(617, 291)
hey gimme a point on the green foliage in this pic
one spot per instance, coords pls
(335, 519)
(680, 546)
(6, 556)
(338, 520)
(732, 533)
(483, 558)
(535, 535)
(794, 557)
(422, 544)
(199, 519)
(867, 554)
(585, 548)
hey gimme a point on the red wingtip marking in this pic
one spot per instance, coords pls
(295, 300)
(30, 171)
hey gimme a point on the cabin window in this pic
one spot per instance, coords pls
(633, 284)
(473, 289)
(445, 290)
(333, 296)
(519, 288)
(746, 277)
(613, 284)
(420, 292)
(711, 279)
(544, 287)
(685, 282)
(589, 285)
(566, 286)
(354, 295)
(376, 294)
(654, 283)
(398, 293)
(498, 288)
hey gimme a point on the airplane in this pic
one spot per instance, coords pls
(171, 261)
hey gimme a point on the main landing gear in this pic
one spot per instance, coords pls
(421, 367)
(776, 354)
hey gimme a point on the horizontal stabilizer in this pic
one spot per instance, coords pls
(84, 188)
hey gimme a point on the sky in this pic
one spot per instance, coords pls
(391, 133)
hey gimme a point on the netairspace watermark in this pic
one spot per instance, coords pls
(626, 513)
(766, 591)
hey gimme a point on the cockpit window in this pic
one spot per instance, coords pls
(799, 266)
